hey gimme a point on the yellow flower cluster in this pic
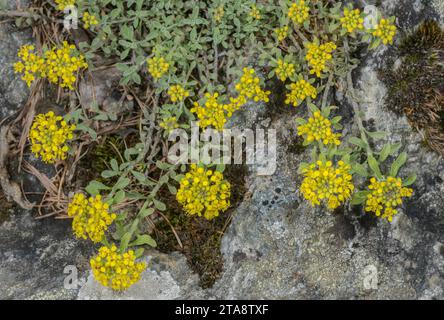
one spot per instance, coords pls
(319, 128)
(62, 64)
(169, 124)
(157, 67)
(62, 4)
(318, 56)
(249, 86)
(255, 13)
(91, 217)
(213, 113)
(385, 196)
(89, 20)
(49, 134)
(204, 192)
(385, 30)
(218, 13)
(30, 64)
(325, 183)
(281, 33)
(300, 91)
(58, 65)
(352, 20)
(299, 12)
(285, 70)
(114, 270)
(177, 93)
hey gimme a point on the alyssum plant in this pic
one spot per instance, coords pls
(187, 53)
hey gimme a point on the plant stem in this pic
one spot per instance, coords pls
(300, 35)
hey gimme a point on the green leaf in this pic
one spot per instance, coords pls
(410, 180)
(127, 32)
(145, 212)
(313, 108)
(360, 169)
(119, 197)
(397, 164)
(122, 183)
(114, 165)
(394, 148)
(159, 205)
(144, 239)
(385, 152)
(124, 241)
(139, 176)
(374, 165)
(90, 131)
(359, 197)
(336, 120)
(94, 187)
(139, 252)
(220, 167)
(172, 188)
(300, 121)
(108, 174)
(162, 165)
(377, 135)
(358, 142)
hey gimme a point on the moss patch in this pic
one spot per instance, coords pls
(200, 238)
(100, 155)
(416, 87)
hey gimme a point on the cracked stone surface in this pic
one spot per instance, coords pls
(277, 245)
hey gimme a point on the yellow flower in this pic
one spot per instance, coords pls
(91, 217)
(212, 113)
(62, 4)
(235, 104)
(300, 91)
(204, 192)
(285, 70)
(385, 196)
(326, 184)
(62, 63)
(177, 93)
(386, 31)
(281, 33)
(352, 20)
(318, 56)
(48, 135)
(157, 67)
(319, 128)
(299, 12)
(30, 65)
(89, 20)
(58, 65)
(249, 86)
(255, 13)
(114, 270)
(218, 13)
(169, 124)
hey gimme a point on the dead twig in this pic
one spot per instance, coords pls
(10, 189)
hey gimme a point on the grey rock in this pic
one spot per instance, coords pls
(12, 88)
(34, 255)
(277, 246)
